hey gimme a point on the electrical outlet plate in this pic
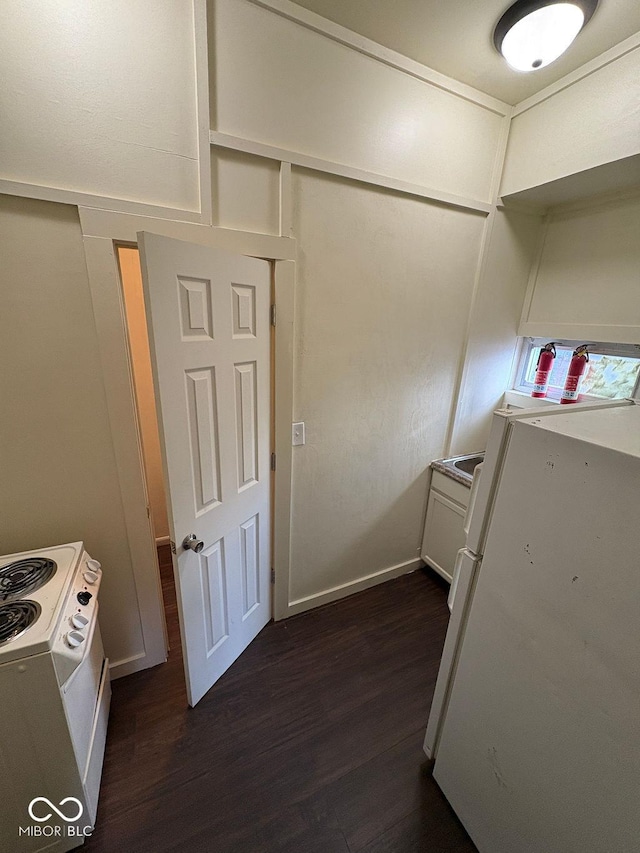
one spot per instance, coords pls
(297, 434)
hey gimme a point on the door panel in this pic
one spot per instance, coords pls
(203, 432)
(209, 330)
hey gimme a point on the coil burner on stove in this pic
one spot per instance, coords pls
(16, 618)
(24, 576)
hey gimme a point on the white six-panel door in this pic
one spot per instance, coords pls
(208, 315)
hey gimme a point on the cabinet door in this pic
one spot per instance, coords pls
(443, 534)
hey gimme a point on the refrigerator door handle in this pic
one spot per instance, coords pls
(472, 497)
(456, 577)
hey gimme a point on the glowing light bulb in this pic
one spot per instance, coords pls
(542, 36)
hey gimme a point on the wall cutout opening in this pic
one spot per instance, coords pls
(613, 371)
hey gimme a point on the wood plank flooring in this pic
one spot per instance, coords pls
(310, 743)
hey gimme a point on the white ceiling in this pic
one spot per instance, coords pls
(454, 37)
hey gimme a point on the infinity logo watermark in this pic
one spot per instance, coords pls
(71, 814)
(71, 819)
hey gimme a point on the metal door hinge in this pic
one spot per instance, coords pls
(273, 575)
(273, 461)
(173, 546)
(273, 315)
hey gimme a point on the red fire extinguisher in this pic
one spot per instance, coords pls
(543, 370)
(577, 367)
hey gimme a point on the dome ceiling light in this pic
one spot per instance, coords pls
(533, 33)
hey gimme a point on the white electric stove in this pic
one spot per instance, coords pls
(54, 694)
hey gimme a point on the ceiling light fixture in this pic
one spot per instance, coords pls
(533, 33)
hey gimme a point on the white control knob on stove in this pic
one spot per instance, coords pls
(94, 565)
(90, 577)
(78, 621)
(74, 639)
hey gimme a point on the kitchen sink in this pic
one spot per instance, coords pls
(467, 464)
(460, 467)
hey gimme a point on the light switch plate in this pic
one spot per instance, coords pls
(297, 433)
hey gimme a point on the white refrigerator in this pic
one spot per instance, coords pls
(535, 721)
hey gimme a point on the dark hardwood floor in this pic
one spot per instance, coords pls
(310, 743)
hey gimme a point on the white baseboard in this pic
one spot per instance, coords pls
(299, 605)
(127, 666)
(162, 540)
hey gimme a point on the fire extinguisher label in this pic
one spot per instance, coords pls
(540, 387)
(571, 388)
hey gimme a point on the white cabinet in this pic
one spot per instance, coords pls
(443, 530)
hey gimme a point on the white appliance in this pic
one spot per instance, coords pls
(54, 695)
(535, 722)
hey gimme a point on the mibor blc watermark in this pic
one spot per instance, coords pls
(69, 811)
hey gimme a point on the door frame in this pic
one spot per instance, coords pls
(102, 231)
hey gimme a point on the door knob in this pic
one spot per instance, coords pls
(191, 541)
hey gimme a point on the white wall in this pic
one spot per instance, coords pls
(587, 283)
(245, 192)
(512, 242)
(100, 98)
(100, 106)
(385, 280)
(58, 479)
(579, 125)
(575, 149)
(282, 84)
(384, 289)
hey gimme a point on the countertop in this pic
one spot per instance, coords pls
(451, 471)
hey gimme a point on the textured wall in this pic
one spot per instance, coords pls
(59, 480)
(594, 121)
(279, 83)
(100, 98)
(383, 295)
